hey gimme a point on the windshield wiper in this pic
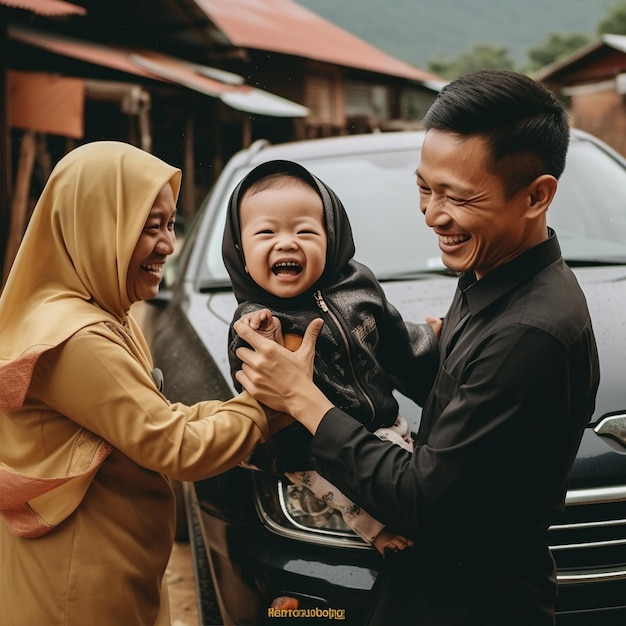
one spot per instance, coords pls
(596, 262)
(211, 285)
(416, 274)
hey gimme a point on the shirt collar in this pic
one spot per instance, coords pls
(479, 294)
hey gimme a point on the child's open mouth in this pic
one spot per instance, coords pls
(287, 268)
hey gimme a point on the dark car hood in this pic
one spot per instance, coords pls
(605, 288)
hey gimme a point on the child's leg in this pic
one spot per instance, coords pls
(399, 434)
(361, 522)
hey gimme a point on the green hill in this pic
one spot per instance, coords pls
(419, 32)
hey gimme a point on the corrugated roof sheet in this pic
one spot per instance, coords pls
(106, 56)
(286, 27)
(157, 66)
(49, 8)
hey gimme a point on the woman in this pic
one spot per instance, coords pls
(87, 440)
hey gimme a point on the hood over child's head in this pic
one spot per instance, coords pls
(340, 244)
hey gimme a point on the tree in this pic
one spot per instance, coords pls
(555, 47)
(615, 21)
(481, 57)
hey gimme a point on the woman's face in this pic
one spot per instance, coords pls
(155, 244)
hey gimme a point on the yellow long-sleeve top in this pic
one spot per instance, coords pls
(87, 442)
(94, 422)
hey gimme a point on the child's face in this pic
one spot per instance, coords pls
(283, 238)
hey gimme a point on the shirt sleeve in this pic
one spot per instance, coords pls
(408, 352)
(96, 383)
(489, 430)
(235, 341)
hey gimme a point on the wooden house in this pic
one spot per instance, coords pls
(193, 81)
(592, 81)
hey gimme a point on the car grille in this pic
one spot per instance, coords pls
(589, 545)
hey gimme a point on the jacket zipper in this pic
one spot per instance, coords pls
(321, 303)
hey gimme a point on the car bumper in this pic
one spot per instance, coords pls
(242, 567)
(251, 567)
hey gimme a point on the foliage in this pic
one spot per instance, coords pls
(482, 56)
(615, 20)
(556, 46)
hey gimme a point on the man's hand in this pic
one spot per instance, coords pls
(281, 379)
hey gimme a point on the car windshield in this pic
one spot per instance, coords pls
(380, 195)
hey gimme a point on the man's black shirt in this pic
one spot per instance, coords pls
(516, 386)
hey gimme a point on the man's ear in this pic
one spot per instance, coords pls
(540, 194)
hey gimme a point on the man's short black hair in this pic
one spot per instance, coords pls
(525, 126)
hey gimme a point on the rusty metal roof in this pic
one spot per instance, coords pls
(157, 66)
(577, 57)
(230, 89)
(286, 27)
(77, 49)
(49, 8)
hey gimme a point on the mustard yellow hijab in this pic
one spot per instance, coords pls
(70, 270)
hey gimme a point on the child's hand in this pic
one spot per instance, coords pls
(436, 324)
(265, 324)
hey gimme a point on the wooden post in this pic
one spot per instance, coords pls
(246, 130)
(21, 197)
(5, 165)
(188, 191)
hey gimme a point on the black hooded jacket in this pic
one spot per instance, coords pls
(365, 350)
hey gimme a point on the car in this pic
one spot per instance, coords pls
(255, 537)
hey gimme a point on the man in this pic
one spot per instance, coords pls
(517, 378)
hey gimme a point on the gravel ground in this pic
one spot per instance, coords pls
(180, 580)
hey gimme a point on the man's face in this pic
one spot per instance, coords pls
(465, 204)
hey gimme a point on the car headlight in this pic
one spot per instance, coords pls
(295, 512)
